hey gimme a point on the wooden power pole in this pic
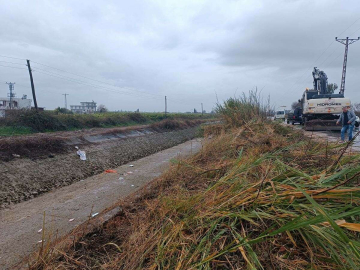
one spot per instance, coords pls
(165, 105)
(32, 84)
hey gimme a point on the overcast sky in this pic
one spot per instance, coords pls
(130, 54)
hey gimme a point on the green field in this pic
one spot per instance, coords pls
(27, 122)
(10, 130)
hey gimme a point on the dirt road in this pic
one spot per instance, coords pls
(332, 136)
(70, 206)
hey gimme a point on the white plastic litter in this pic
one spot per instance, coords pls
(122, 181)
(39, 231)
(71, 219)
(40, 241)
(132, 185)
(131, 165)
(95, 214)
(81, 154)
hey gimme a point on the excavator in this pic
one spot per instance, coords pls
(321, 110)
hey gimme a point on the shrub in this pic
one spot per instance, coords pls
(59, 110)
(239, 110)
(137, 117)
(37, 121)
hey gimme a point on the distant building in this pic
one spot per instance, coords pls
(84, 107)
(16, 104)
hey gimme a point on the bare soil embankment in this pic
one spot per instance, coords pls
(50, 162)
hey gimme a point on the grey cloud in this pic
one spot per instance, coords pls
(186, 50)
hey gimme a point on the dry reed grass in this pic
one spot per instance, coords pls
(255, 197)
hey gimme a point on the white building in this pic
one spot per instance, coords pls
(84, 107)
(16, 104)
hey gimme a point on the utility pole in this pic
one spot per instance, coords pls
(202, 109)
(346, 41)
(165, 106)
(32, 84)
(11, 94)
(65, 100)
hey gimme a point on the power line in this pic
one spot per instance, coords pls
(354, 32)
(349, 27)
(91, 85)
(13, 63)
(26, 86)
(50, 73)
(83, 82)
(85, 77)
(102, 87)
(12, 57)
(74, 74)
(332, 42)
(95, 80)
(12, 67)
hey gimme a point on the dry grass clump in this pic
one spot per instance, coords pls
(33, 148)
(237, 111)
(173, 124)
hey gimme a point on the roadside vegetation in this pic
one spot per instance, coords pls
(26, 122)
(258, 196)
(37, 147)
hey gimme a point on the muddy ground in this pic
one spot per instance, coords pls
(25, 178)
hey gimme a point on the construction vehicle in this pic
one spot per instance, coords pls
(321, 110)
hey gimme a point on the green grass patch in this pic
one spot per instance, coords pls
(50, 121)
(13, 131)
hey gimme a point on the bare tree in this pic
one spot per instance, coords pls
(356, 107)
(102, 108)
(295, 104)
(331, 87)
